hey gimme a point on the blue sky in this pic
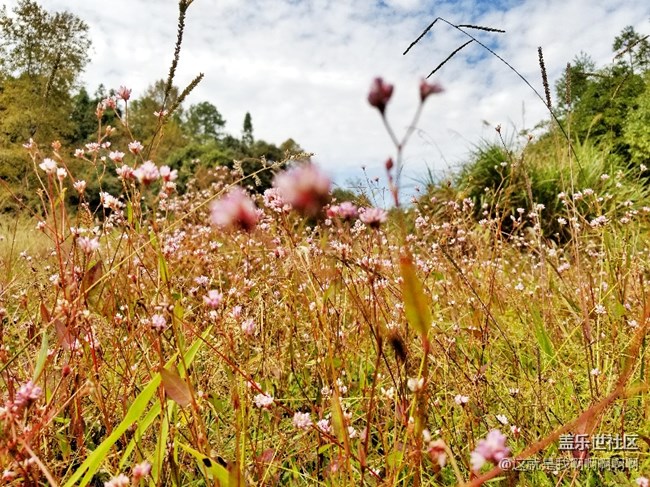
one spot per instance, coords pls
(303, 68)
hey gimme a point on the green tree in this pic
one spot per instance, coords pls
(161, 140)
(42, 55)
(632, 49)
(47, 47)
(247, 130)
(203, 122)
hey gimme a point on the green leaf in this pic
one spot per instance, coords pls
(543, 339)
(95, 459)
(416, 305)
(218, 471)
(42, 357)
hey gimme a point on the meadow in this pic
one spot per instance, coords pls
(491, 330)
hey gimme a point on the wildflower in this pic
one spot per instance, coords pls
(124, 93)
(61, 173)
(141, 470)
(27, 394)
(595, 372)
(305, 188)
(461, 400)
(79, 186)
(92, 147)
(125, 172)
(380, 94)
(147, 173)
(135, 147)
(213, 299)
(168, 174)
(436, 449)
(642, 482)
(48, 165)
(599, 309)
(88, 245)
(158, 322)
(263, 401)
(120, 481)
(109, 201)
(492, 448)
(116, 156)
(234, 209)
(236, 312)
(248, 327)
(427, 89)
(415, 384)
(373, 217)
(501, 418)
(302, 420)
(346, 211)
(78, 153)
(324, 425)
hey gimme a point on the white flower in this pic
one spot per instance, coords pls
(302, 420)
(415, 384)
(263, 401)
(461, 400)
(48, 165)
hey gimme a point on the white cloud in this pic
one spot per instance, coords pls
(302, 68)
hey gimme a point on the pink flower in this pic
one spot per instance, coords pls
(27, 394)
(248, 327)
(427, 89)
(120, 481)
(234, 209)
(135, 147)
(263, 401)
(302, 420)
(158, 323)
(345, 211)
(305, 188)
(213, 299)
(492, 448)
(380, 93)
(168, 174)
(147, 173)
(125, 172)
(141, 470)
(373, 217)
(88, 245)
(124, 93)
(80, 186)
(116, 156)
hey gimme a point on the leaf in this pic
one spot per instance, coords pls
(218, 471)
(92, 276)
(416, 305)
(543, 340)
(99, 454)
(137, 408)
(42, 356)
(176, 388)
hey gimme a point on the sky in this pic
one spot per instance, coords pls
(303, 68)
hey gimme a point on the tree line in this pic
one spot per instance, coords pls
(42, 57)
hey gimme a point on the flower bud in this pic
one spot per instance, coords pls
(380, 93)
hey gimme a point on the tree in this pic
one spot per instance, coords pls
(144, 123)
(247, 131)
(51, 49)
(633, 47)
(203, 122)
